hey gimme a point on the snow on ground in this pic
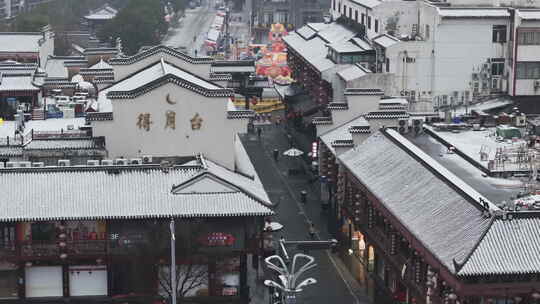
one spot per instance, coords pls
(472, 142)
(7, 128)
(54, 124)
(494, 181)
(483, 106)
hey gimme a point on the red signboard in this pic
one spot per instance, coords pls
(217, 239)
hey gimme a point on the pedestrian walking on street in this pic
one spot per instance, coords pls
(259, 131)
(312, 231)
(278, 121)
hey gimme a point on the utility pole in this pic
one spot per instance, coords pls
(173, 262)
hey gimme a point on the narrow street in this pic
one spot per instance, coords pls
(335, 284)
(195, 23)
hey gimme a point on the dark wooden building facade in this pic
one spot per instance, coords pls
(413, 232)
(103, 233)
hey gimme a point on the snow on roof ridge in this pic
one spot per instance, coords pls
(163, 66)
(435, 165)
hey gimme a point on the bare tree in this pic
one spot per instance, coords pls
(190, 277)
(192, 270)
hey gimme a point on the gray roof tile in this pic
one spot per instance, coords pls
(126, 192)
(11, 151)
(51, 144)
(444, 220)
(508, 247)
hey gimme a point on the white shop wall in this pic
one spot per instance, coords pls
(43, 281)
(87, 281)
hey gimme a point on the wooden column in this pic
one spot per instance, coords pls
(21, 284)
(65, 280)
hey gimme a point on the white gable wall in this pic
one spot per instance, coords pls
(215, 139)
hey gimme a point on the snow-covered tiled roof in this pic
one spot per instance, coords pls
(105, 12)
(237, 66)
(306, 32)
(442, 216)
(345, 47)
(55, 67)
(385, 40)
(157, 50)
(446, 12)
(362, 43)
(56, 144)
(120, 192)
(17, 82)
(313, 51)
(529, 14)
(20, 42)
(101, 65)
(387, 114)
(165, 72)
(341, 134)
(510, 246)
(352, 72)
(11, 151)
(54, 124)
(367, 3)
(363, 91)
(336, 32)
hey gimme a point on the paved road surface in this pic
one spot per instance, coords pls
(335, 284)
(196, 23)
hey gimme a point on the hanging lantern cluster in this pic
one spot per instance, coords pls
(62, 242)
(371, 217)
(393, 243)
(417, 269)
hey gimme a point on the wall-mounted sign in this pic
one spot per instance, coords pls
(196, 122)
(143, 121)
(170, 120)
(217, 239)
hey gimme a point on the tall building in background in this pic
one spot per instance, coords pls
(11, 8)
(293, 14)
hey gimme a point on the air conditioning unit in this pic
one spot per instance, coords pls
(521, 121)
(418, 126)
(106, 162)
(12, 164)
(92, 162)
(537, 83)
(70, 127)
(38, 164)
(25, 164)
(63, 163)
(121, 162)
(135, 161)
(147, 159)
(403, 126)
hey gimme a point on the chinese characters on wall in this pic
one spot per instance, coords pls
(144, 121)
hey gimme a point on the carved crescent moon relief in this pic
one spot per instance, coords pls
(169, 100)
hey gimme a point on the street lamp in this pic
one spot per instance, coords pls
(288, 276)
(306, 282)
